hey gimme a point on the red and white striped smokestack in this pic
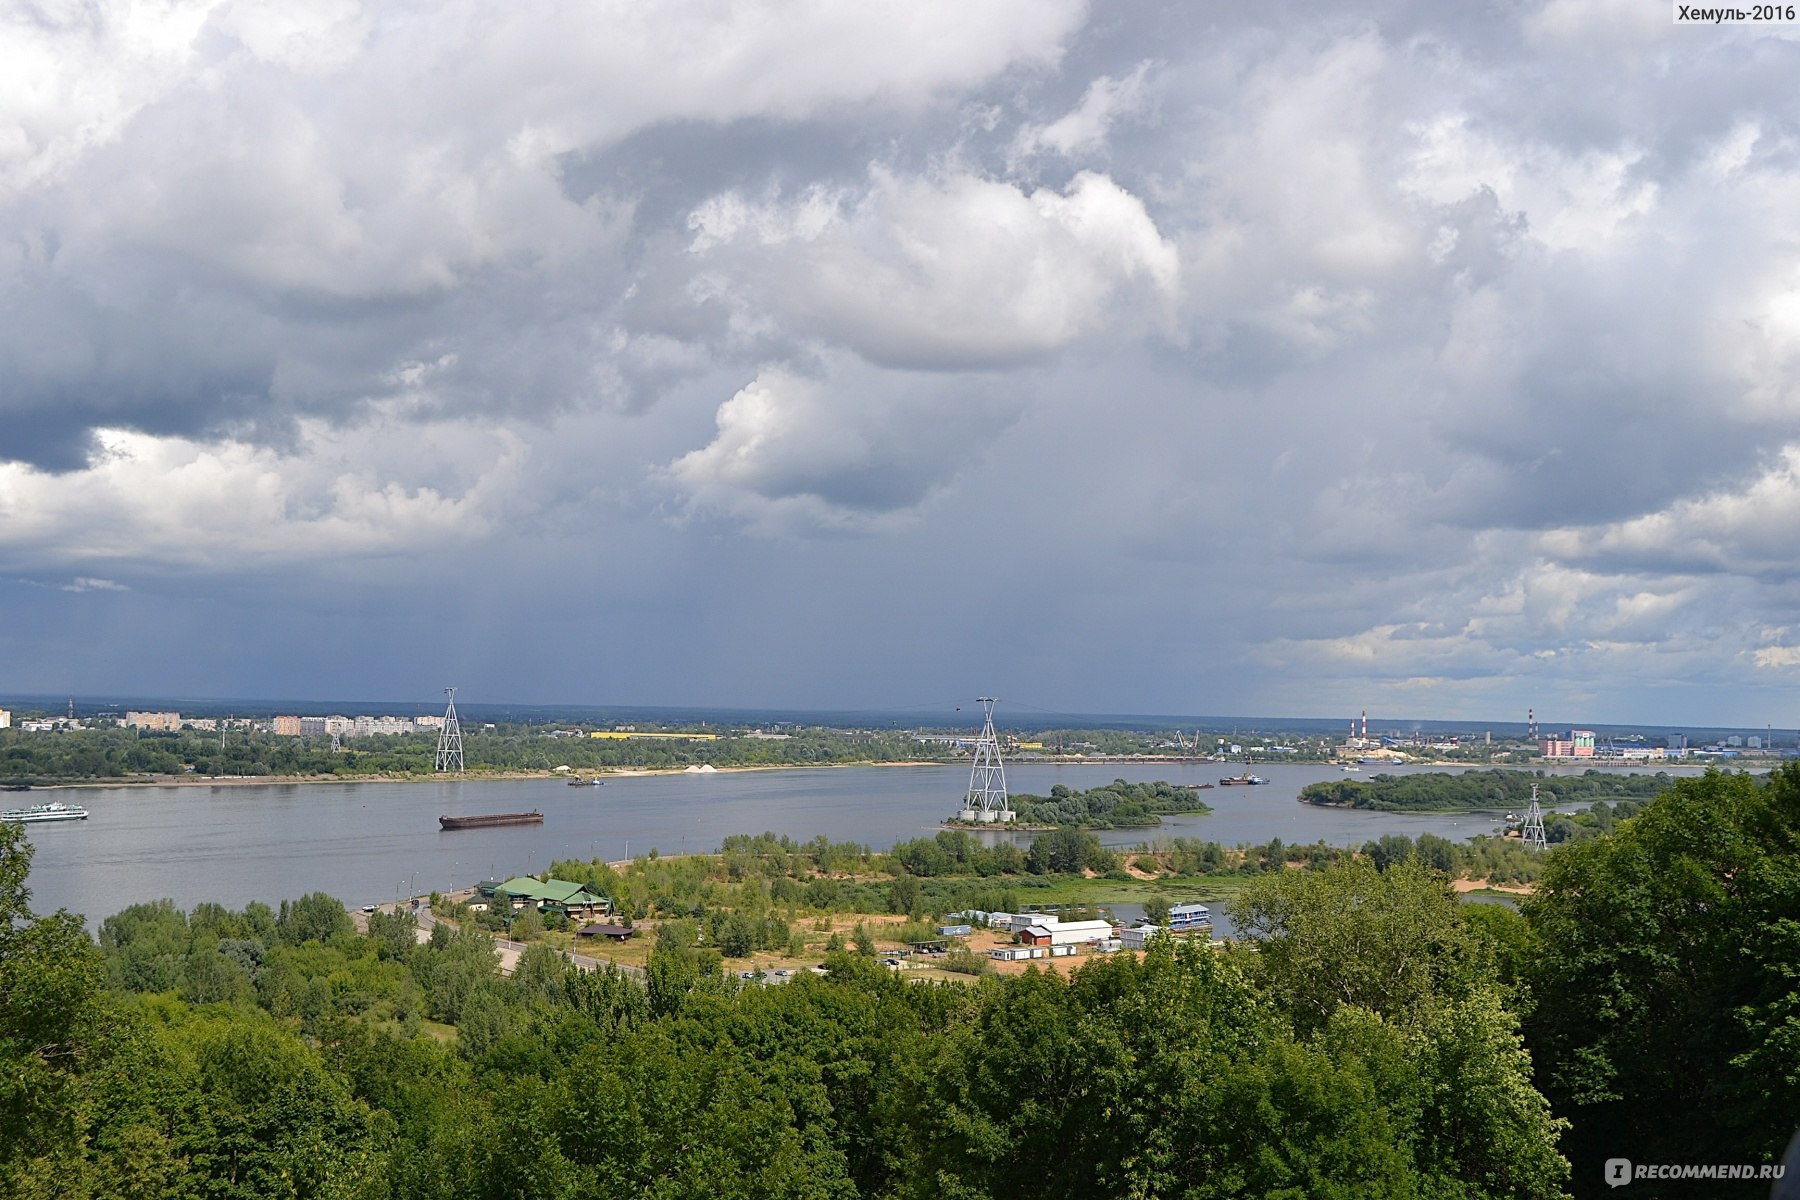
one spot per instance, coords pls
(1365, 724)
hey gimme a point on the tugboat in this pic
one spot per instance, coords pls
(1244, 780)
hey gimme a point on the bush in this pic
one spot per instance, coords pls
(965, 961)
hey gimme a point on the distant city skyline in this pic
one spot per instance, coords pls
(1172, 358)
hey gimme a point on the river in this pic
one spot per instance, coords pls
(367, 842)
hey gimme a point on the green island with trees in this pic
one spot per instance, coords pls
(1474, 791)
(1370, 1036)
(1116, 805)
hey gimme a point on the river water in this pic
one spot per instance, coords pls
(367, 842)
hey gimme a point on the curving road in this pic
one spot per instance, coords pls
(509, 950)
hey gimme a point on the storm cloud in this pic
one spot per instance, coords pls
(1173, 359)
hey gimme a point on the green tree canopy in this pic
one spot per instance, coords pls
(52, 1014)
(1666, 982)
(1388, 941)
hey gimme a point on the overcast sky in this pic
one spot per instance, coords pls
(1189, 358)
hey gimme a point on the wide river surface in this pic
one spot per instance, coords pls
(366, 842)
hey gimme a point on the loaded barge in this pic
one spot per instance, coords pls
(482, 822)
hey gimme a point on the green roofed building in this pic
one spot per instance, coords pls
(559, 895)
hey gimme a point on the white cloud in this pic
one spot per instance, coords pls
(1775, 658)
(1592, 24)
(1570, 200)
(848, 448)
(85, 583)
(1745, 530)
(953, 273)
(230, 507)
(1084, 130)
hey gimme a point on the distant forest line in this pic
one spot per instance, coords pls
(123, 754)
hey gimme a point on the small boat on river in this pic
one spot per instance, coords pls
(1244, 780)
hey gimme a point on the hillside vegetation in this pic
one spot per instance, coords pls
(1376, 1038)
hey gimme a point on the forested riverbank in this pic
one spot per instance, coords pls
(1375, 1038)
(123, 755)
(1477, 790)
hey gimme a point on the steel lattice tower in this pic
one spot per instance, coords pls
(1531, 834)
(450, 755)
(987, 800)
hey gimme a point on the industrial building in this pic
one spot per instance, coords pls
(1579, 744)
(292, 726)
(162, 722)
(1052, 932)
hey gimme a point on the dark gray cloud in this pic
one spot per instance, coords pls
(1281, 359)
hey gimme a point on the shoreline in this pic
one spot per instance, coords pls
(181, 781)
(503, 776)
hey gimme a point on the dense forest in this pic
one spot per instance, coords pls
(1470, 791)
(1373, 1037)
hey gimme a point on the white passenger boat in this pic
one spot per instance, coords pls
(56, 811)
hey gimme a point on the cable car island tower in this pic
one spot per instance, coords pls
(986, 801)
(1531, 833)
(449, 752)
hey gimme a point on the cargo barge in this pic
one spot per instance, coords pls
(482, 822)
